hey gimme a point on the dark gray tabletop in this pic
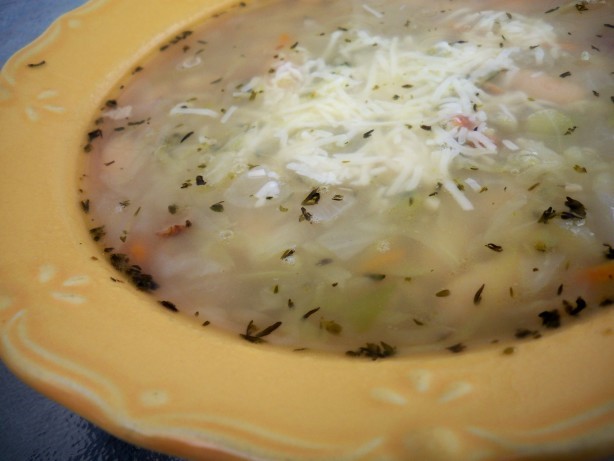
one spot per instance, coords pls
(32, 427)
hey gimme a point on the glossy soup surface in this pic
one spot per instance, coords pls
(377, 177)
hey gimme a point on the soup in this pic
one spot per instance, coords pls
(372, 178)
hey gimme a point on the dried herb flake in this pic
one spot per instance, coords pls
(547, 215)
(169, 305)
(570, 130)
(178, 38)
(582, 6)
(97, 233)
(186, 136)
(305, 215)
(606, 302)
(254, 336)
(456, 348)
(575, 310)
(310, 313)
(374, 351)
(217, 207)
(522, 333)
(313, 198)
(141, 280)
(508, 350)
(477, 298)
(94, 134)
(550, 319)
(494, 247)
(576, 208)
(330, 326)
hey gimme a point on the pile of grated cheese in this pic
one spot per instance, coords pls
(393, 113)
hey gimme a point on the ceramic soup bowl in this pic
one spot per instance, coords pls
(72, 327)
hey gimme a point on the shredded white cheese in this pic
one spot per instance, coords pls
(269, 190)
(510, 145)
(119, 113)
(231, 110)
(370, 10)
(384, 111)
(184, 109)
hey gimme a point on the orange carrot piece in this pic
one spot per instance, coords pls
(383, 260)
(601, 273)
(283, 41)
(173, 230)
(138, 253)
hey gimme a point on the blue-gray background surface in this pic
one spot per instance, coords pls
(33, 428)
